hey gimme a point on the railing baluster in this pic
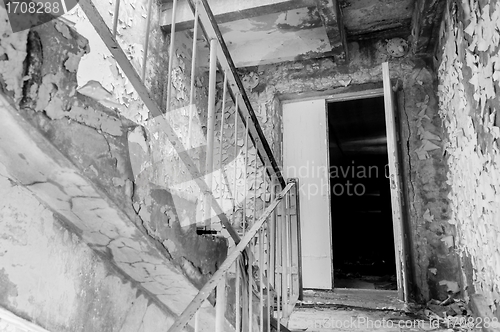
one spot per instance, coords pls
(193, 72)
(261, 281)
(235, 194)
(197, 321)
(146, 41)
(255, 186)
(238, 294)
(250, 287)
(220, 305)
(212, 30)
(285, 253)
(205, 291)
(279, 263)
(116, 14)
(235, 200)
(272, 238)
(171, 55)
(209, 161)
(221, 140)
(245, 173)
(268, 258)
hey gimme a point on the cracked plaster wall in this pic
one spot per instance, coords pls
(49, 276)
(99, 127)
(469, 77)
(432, 262)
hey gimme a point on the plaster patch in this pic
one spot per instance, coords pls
(452, 286)
(12, 55)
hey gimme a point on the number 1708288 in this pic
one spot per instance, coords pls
(38, 7)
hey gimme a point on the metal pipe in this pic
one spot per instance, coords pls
(285, 255)
(146, 41)
(255, 185)
(220, 306)
(250, 287)
(272, 238)
(279, 265)
(193, 72)
(116, 14)
(245, 177)
(171, 55)
(268, 256)
(221, 138)
(235, 194)
(209, 162)
(197, 321)
(261, 281)
(238, 295)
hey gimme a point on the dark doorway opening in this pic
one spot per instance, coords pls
(362, 229)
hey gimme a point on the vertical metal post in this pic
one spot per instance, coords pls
(245, 177)
(220, 306)
(209, 162)
(255, 187)
(272, 238)
(279, 263)
(268, 257)
(197, 321)
(116, 15)
(285, 253)
(235, 193)
(235, 199)
(146, 41)
(238, 294)
(221, 140)
(193, 73)
(250, 288)
(171, 55)
(261, 277)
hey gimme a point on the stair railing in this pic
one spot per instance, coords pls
(265, 262)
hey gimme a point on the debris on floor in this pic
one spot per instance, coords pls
(378, 310)
(454, 314)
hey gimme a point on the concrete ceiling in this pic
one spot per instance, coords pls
(369, 18)
(268, 31)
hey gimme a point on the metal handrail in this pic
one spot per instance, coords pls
(211, 30)
(204, 293)
(283, 264)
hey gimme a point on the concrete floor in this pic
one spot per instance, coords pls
(360, 310)
(323, 319)
(362, 298)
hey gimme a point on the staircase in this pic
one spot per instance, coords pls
(258, 284)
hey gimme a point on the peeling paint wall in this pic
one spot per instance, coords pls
(431, 257)
(469, 77)
(78, 98)
(49, 276)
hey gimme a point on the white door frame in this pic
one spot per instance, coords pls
(394, 164)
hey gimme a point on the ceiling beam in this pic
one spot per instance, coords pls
(331, 15)
(227, 11)
(425, 25)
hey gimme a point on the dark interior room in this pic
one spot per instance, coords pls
(363, 242)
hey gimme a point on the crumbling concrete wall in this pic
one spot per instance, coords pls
(431, 258)
(165, 197)
(49, 276)
(96, 128)
(469, 75)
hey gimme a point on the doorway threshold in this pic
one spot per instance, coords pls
(349, 297)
